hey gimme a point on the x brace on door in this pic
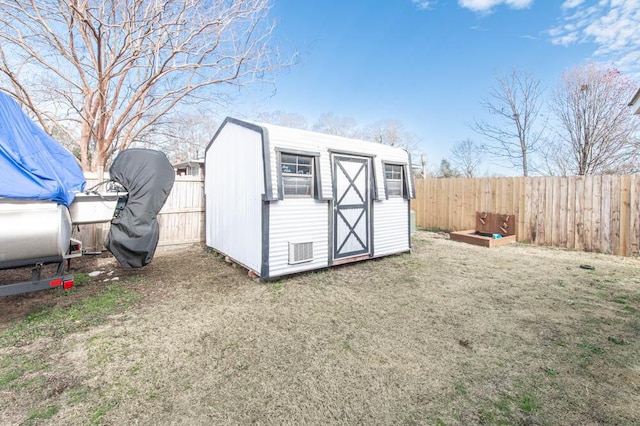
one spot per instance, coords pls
(346, 227)
(352, 184)
(352, 231)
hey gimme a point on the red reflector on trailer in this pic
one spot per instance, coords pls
(68, 284)
(56, 282)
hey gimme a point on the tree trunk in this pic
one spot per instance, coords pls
(85, 139)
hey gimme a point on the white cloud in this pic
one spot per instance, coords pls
(570, 4)
(612, 25)
(486, 5)
(423, 4)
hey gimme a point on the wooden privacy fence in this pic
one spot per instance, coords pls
(181, 220)
(591, 213)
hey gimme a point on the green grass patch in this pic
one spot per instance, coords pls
(346, 345)
(48, 321)
(96, 419)
(498, 412)
(14, 367)
(36, 414)
(6, 378)
(502, 406)
(527, 404)
(492, 417)
(591, 348)
(78, 394)
(136, 279)
(276, 286)
(81, 278)
(460, 388)
(30, 384)
(508, 409)
(615, 340)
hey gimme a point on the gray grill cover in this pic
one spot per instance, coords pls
(148, 177)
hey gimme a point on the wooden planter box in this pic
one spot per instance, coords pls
(471, 237)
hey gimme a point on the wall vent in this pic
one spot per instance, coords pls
(300, 252)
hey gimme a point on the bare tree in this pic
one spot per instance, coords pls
(115, 69)
(596, 127)
(466, 157)
(515, 103)
(554, 159)
(185, 136)
(390, 132)
(332, 124)
(386, 131)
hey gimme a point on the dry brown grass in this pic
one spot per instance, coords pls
(450, 334)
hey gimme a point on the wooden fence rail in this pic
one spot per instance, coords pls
(181, 220)
(591, 213)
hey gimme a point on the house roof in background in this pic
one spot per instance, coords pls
(189, 163)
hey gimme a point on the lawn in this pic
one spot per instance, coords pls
(449, 334)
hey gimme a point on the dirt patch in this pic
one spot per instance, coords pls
(449, 334)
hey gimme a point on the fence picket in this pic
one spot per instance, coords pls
(571, 213)
(606, 197)
(625, 207)
(634, 215)
(615, 215)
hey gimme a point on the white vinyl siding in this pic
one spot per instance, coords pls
(297, 220)
(390, 226)
(234, 184)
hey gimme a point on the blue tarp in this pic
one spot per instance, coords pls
(33, 165)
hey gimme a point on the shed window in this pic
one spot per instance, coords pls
(393, 175)
(297, 175)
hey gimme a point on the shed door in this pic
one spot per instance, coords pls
(351, 206)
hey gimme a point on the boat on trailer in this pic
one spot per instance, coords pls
(42, 196)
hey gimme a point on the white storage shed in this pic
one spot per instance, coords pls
(281, 201)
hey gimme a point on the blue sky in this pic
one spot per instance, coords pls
(430, 63)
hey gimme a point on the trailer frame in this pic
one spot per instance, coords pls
(61, 279)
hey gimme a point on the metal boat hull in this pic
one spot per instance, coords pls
(94, 207)
(33, 231)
